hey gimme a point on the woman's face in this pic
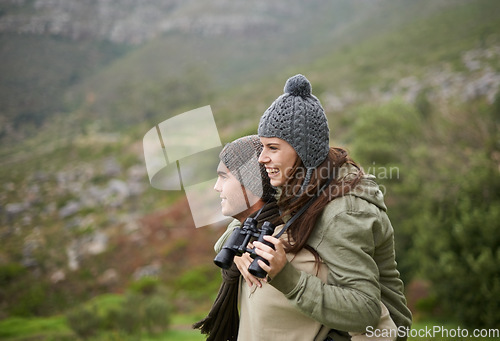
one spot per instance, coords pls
(279, 157)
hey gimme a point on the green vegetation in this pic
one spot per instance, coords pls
(133, 314)
(403, 94)
(19, 328)
(43, 67)
(454, 209)
(57, 328)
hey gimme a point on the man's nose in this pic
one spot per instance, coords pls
(217, 186)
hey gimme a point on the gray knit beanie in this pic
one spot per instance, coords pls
(298, 118)
(241, 157)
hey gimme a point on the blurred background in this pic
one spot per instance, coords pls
(88, 249)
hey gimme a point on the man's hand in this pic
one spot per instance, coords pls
(243, 263)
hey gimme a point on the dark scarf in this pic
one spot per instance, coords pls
(222, 322)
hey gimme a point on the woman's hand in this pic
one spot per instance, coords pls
(243, 263)
(276, 258)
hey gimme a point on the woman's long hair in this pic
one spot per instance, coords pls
(293, 196)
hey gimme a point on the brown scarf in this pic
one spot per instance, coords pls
(222, 322)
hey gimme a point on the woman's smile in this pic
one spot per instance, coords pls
(279, 158)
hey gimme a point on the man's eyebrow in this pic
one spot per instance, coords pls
(221, 173)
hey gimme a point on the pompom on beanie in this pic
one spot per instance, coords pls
(298, 118)
(241, 158)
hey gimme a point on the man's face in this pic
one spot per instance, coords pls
(233, 201)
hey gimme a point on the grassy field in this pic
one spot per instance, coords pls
(55, 328)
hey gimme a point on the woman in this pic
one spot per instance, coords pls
(346, 278)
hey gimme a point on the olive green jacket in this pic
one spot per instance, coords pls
(355, 239)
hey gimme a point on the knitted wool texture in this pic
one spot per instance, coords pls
(241, 158)
(298, 118)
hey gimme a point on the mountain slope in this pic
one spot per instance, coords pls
(56, 55)
(76, 187)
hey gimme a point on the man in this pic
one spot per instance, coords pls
(244, 189)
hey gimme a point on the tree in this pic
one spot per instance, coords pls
(445, 204)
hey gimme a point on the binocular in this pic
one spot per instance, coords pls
(236, 245)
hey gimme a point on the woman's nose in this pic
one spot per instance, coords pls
(263, 158)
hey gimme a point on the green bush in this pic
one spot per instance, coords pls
(457, 233)
(130, 317)
(32, 300)
(9, 272)
(445, 202)
(135, 314)
(146, 285)
(462, 256)
(157, 314)
(199, 282)
(84, 321)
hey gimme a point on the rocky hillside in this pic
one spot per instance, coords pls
(477, 77)
(58, 51)
(85, 80)
(136, 21)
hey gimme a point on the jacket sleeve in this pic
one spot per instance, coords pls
(350, 300)
(222, 239)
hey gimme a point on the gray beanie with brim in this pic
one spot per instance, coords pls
(241, 158)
